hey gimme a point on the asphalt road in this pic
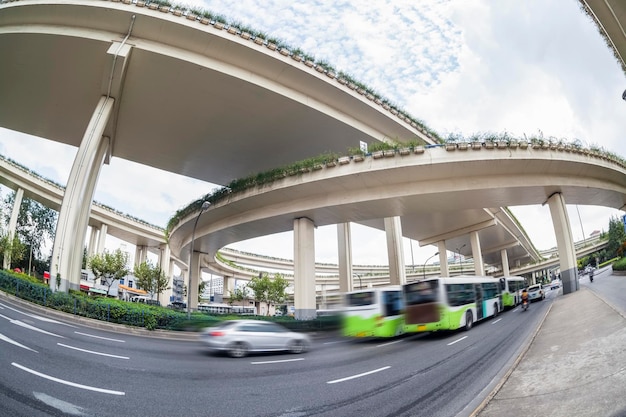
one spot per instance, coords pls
(54, 367)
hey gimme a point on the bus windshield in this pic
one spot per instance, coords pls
(360, 299)
(421, 292)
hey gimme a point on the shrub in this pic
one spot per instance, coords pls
(620, 265)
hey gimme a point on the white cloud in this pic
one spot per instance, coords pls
(460, 66)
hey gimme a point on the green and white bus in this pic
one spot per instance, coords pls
(373, 312)
(450, 303)
(511, 291)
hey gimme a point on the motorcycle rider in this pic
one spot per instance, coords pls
(525, 297)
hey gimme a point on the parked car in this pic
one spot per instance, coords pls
(239, 337)
(555, 285)
(178, 305)
(535, 293)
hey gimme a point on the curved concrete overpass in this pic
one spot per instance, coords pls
(186, 94)
(145, 85)
(436, 194)
(131, 230)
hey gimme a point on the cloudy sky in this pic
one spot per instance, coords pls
(461, 66)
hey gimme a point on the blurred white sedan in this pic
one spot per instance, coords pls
(535, 293)
(239, 337)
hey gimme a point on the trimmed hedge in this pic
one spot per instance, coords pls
(134, 314)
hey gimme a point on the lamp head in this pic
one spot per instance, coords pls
(205, 205)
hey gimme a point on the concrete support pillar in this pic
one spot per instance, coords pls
(395, 251)
(194, 281)
(12, 229)
(141, 254)
(479, 267)
(165, 259)
(168, 293)
(505, 263)
(229, 286)
(102, 238)
(93, 242)
(564, 243)
(304, 269)
(165, 263)
(443, 258)
(67, 251)
(344, 243)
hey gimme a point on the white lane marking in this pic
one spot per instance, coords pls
(28, 326)
(13, 342)
(92, 352)
(334, 342)
(495, 321)
(389, 343)
(278, 361)
(40, 318)
(457, 341)
(358, 375)
(63, 406)
(100, 337)
(71, 384)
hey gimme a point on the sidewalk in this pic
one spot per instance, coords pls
(574, 366)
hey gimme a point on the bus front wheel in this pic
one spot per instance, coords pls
(469, 320)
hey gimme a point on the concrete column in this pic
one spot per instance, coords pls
(184, 273)
(229, 286)
(195, 277)
(505, 263)
(443, 258)
(141, 254)
(74, 214)
(12, 229)
(344, 243)
(395, 251)
(165, 259)
(102, 238)
(304, 268)
(165, 263)
(93, 242)
(564, 243)
(169, 291)
(479, 267)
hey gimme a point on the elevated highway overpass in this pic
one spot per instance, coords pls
(118, 80)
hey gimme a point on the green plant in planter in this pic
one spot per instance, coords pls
(218, 18)
(325, 65)
(381, 146)
(162, 3)
(355, 150)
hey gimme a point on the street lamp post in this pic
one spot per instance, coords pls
(424, 268)
(360, 283)
(205, 205)
(458, 252)
(412, 260)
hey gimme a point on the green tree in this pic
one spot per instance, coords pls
(201, 288)
(617, 237)
(270, 291)
(150, 278)
(13, 246)
(35, 228)
(109, 267)
(239, 294)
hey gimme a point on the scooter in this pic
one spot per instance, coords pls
(524, 305)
